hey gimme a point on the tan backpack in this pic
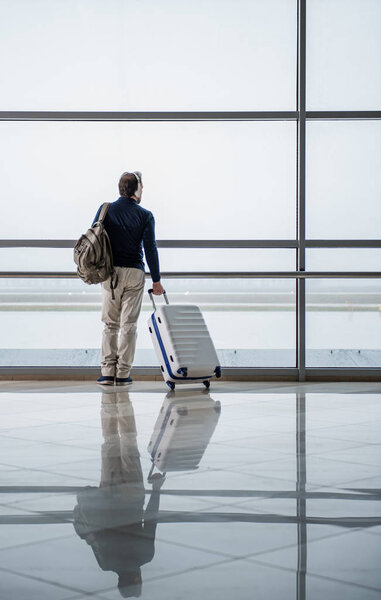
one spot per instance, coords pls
(93, 254)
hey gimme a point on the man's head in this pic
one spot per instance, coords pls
(131, 185)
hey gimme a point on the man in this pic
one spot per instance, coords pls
(129, 227)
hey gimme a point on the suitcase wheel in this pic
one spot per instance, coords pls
(206, 384)
(171, 385)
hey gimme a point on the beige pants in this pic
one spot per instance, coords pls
(120, 316)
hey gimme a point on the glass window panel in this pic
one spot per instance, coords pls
(343, 54)
(343, 259)
(220, 180)
(37, 259)
(57, 322)
(343, 323)
(171, 259)
(148, 55)
(227, 259)
(343, 180)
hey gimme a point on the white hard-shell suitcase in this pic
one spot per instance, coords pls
(183, 430)
(183, 344)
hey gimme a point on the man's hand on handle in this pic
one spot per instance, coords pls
(157, 289)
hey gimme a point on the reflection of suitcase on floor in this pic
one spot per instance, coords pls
(182, 343)
(183, 430)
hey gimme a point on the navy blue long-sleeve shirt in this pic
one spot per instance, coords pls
(130, 227)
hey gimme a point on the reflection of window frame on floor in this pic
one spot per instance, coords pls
(300, 519)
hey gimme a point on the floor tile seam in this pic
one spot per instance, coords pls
(190, 570)
(279, 454)
(95, 454)
(97, 457)
(360, 480)
(45, 409)
(327, 452)
(241, 501)
(43, 424)
(17, 440)
(207, 506)
(19, 509)
(339, 485)
(352, 441)
(36, 513)
(202, 549)
(351, 462)
(259, 553)
(360, 492)
(33, 512)
(296, 545)
(261, 475)
(37, 542)
(203, 501)
(273, 477)
(87, 595)
(323, 421)
(318, 576)
(252, 461)
(42, 580)
(44, 471)
(374, 533)
(165, 576)
(49, 442)
(227, 442)
(39, 496)
(356, 442)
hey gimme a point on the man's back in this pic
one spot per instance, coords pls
(129, 225)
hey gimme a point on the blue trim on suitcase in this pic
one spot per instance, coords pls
(162, 429)
(167, 364)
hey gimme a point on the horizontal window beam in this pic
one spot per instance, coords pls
(186, 115)
(208, 243)
(342, 114)
(343, 243)
(210, 275)
(162, 243)
(148, 116)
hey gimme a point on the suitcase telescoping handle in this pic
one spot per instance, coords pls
(150, 292)
(150, 478)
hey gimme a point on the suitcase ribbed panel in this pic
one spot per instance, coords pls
(188, 339)
(182, 432)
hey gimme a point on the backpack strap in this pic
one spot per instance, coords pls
(103, 213)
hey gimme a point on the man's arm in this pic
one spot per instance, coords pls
(152, 257)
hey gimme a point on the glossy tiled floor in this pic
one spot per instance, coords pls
(271, 491)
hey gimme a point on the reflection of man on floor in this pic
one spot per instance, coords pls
(111, 518)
